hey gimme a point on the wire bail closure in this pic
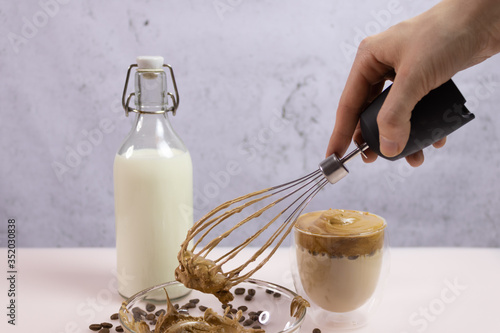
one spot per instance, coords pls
(126, 101)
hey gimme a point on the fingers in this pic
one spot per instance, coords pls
(394, 117)
(342, 132)
(365, 80)
(415, 159)
(439, 143)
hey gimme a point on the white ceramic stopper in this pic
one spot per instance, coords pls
(150, 62)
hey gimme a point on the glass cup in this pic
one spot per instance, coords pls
(340, 273)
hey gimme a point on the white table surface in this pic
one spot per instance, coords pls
(65, 290)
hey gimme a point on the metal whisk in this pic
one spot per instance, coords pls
(435, 116)
(198, 272)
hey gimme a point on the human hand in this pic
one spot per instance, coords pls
(419, 55)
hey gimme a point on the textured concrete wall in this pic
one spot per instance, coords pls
(241, 67)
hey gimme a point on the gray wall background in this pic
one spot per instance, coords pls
(241, 66)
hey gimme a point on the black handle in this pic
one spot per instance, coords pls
(439, 113)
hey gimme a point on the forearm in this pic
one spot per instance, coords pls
(482, 18)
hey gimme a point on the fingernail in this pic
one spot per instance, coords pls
(387, 147)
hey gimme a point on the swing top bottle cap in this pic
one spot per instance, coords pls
(150, 62)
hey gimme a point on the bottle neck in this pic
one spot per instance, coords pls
(150, 91)
(152, 130)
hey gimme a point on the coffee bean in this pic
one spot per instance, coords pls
(95, 327)
(139, 311)
(259, 312)
(316, 330)
(251, 292)
(114, 316)
(242, 308)
(252, 313)
(194, 300)
(106, 325)
(119, 328)
(242, 318)
(160, 312)
(229, 316)
(276, 295)
(248, 322)
(150, 307)
(152, 322)
(150, 316)
(353, 257)
(256, 327)
(254, 317)
(176, 306)
(224, 306)
(233, 311)
(189, 306)
(202, 308)
(104, 330)
(248, 297)
(269, 291)
(239, 291)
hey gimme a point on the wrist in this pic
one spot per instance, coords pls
(490, 22)
(482, 17)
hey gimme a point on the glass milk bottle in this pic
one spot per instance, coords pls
(153, 185)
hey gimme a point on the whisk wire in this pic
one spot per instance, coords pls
(218, 220)
(215, 221)
(288, 222)
(231, 254)
(309, 193)
(298, 180)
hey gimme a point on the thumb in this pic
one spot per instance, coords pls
(394, 117)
